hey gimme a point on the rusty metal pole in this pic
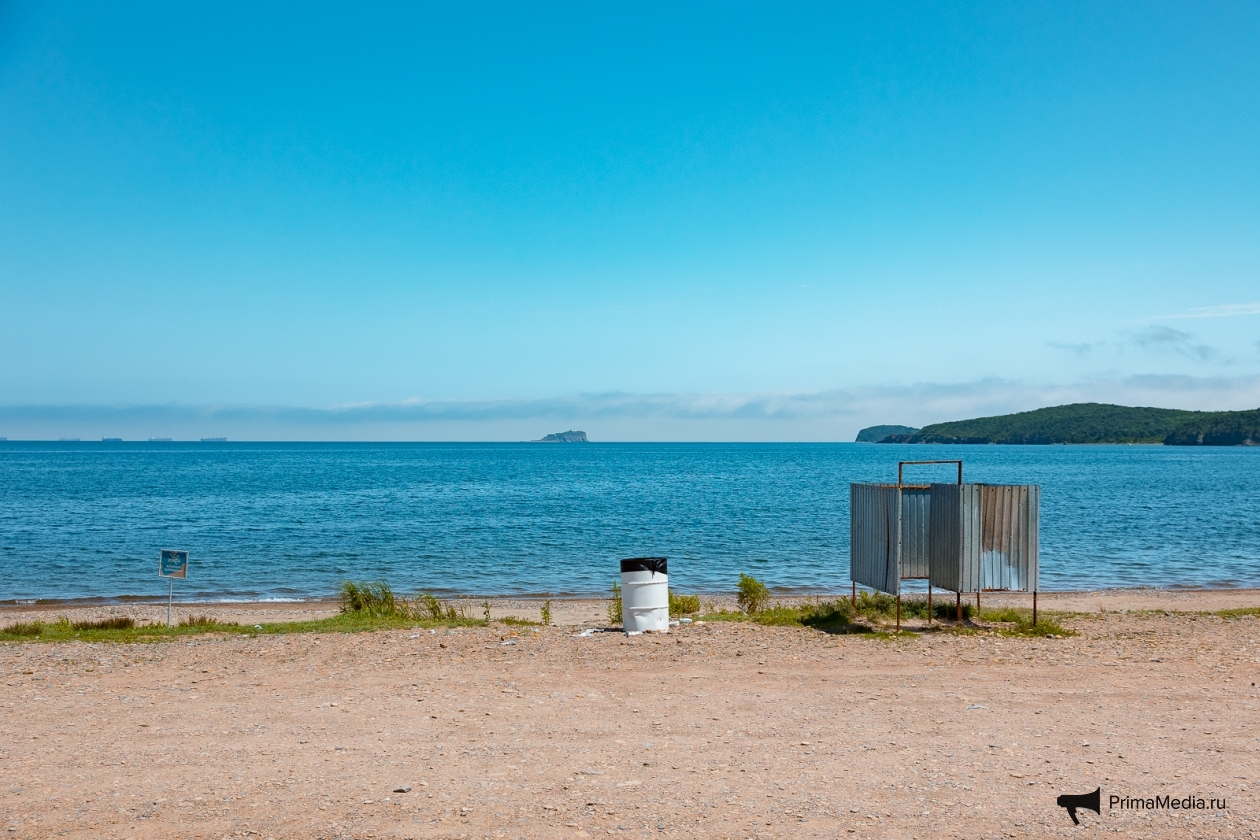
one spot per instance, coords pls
(959, 596)
(977, 603)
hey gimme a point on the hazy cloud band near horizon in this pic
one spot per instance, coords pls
(835, 414)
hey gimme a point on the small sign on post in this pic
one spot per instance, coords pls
(172, 563)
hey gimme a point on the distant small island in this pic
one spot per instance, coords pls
(1094, 423)
(876, 434)
(565, 437)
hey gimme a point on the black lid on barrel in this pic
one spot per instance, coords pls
(644, 564)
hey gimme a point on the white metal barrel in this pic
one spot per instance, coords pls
(644, 595)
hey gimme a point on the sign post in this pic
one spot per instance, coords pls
(172, 564)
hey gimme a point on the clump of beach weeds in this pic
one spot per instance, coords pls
(514, 621)
(23, 629)
(198, 621)
(752, 595)
(683, 604)
(372, 598)
(614, 605)
(119, 622)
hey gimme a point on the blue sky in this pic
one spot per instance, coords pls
(715, 222)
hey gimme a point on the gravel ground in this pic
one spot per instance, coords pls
(716, 730)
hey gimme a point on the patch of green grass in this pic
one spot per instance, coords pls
(1011, 615)
(876, 605)
(1018, 622)
(942, 610)
(377, 609)
(889, 635)
(1239, 612)
(779, 616)
(827, 616)
(725, 615)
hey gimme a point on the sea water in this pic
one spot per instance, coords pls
(267, 521)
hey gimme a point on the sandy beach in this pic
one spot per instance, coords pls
(716, 730)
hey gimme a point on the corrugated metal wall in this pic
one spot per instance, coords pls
(889, 530)
(985, 536)
(916, 506)
(873, 537)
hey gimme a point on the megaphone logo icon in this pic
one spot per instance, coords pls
(1072, 801)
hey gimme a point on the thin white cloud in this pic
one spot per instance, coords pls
(1228, 310)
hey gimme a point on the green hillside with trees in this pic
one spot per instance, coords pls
(1097, 423)
(1219, 428)
(874, 434)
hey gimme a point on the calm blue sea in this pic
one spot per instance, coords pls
(262, 520)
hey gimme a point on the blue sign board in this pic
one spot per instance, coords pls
(173, 563)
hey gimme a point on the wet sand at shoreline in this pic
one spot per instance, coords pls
(715, 730)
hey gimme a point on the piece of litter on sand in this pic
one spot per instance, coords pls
(507, 642)
(634, 632)
(589, 631)
(403, 789)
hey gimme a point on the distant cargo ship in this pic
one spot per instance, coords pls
(214, 440)
(111, 440)
(159, 440)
